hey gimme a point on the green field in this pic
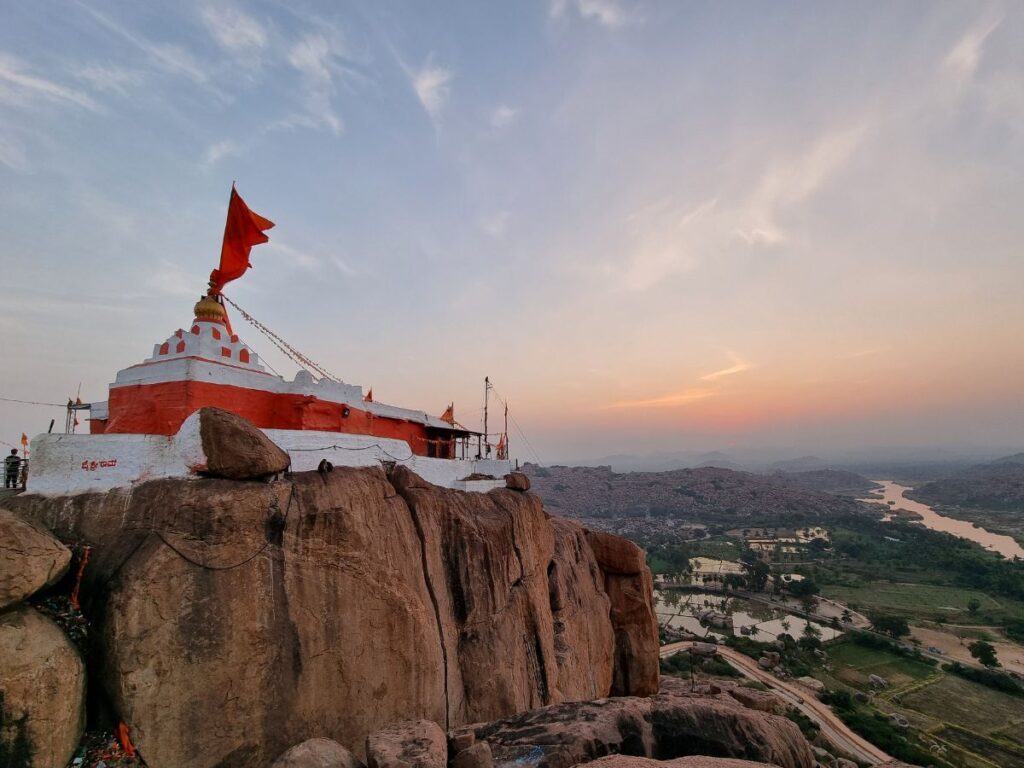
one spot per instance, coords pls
(920, 601)
(852, 663)
(955, 700)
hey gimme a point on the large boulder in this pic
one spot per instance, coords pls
(30, 558)
(317, 753)
(232, 620)
(628, 584)
(672, 724)
(42, 691)
(413, 744)
(701, 761)
(235, 449)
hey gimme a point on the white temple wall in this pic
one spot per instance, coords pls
(70, 464)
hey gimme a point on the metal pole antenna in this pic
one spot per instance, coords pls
(487, 390)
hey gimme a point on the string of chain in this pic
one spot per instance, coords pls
(287, 349)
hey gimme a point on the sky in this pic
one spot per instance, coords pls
(789, 227)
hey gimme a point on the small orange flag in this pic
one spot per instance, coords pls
(126, 743)
(449, 414)
(243, 230)
(24, 439)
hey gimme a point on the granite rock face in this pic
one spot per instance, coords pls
(30, 558)
(235, 619)
(42, 691)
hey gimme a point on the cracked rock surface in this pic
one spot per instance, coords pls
(234, 619)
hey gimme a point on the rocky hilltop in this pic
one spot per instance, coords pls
(233, 618)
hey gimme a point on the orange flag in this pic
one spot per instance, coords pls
(449, 414)
(368, 398)
(243, 230)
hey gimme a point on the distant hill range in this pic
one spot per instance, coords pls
(835, 481)
(705, 495)
(997, 485)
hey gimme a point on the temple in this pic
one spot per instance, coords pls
(144, 429)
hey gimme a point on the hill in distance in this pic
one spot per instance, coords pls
(997, 485)
(702, 495)
(834, 481)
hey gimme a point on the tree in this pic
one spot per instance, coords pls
(890, 624)
(846, 616)
(802, 588)
(973, 605)
(757, 574)
(984, 652)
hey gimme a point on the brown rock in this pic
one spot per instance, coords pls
(30, 558)
(617, 555)
(666, 725)
(460, 740)
(237, 450)
(476, 756)
(234, 619)
(623, 761)
(759, 700)
(517, 481)
(42, 691)
(413, 744)
(317, 753)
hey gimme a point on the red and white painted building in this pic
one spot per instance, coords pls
(147, 428)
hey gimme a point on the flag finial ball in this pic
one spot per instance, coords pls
(208, 308)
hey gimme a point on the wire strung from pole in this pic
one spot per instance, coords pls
(287, 349)
(33, 402)
(516, 425)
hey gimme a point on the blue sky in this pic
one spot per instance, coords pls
(654, 225)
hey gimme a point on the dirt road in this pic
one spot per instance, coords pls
(832, 728)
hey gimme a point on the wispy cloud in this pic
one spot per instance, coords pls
(685, 397)
(312, 57)
(220, 150)
(107, 78)
(672, 236)
(235, 31)
(607, 13)
(962, 61)
(295, 256)
(167, 57)
(738, 366)
(503, 116)
(18, 87)
(790, 181)
(432, 84)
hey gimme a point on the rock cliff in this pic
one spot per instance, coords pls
(233, 619)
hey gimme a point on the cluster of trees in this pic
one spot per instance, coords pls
(963, 563)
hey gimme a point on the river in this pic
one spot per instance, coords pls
(893, 492)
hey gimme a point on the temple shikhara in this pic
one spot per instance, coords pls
(148, 426)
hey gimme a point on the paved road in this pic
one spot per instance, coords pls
(832, 728)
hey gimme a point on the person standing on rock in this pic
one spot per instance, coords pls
(12, 465)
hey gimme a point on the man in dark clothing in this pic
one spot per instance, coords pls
(12, 464)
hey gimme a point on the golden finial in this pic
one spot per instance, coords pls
(209, 309)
